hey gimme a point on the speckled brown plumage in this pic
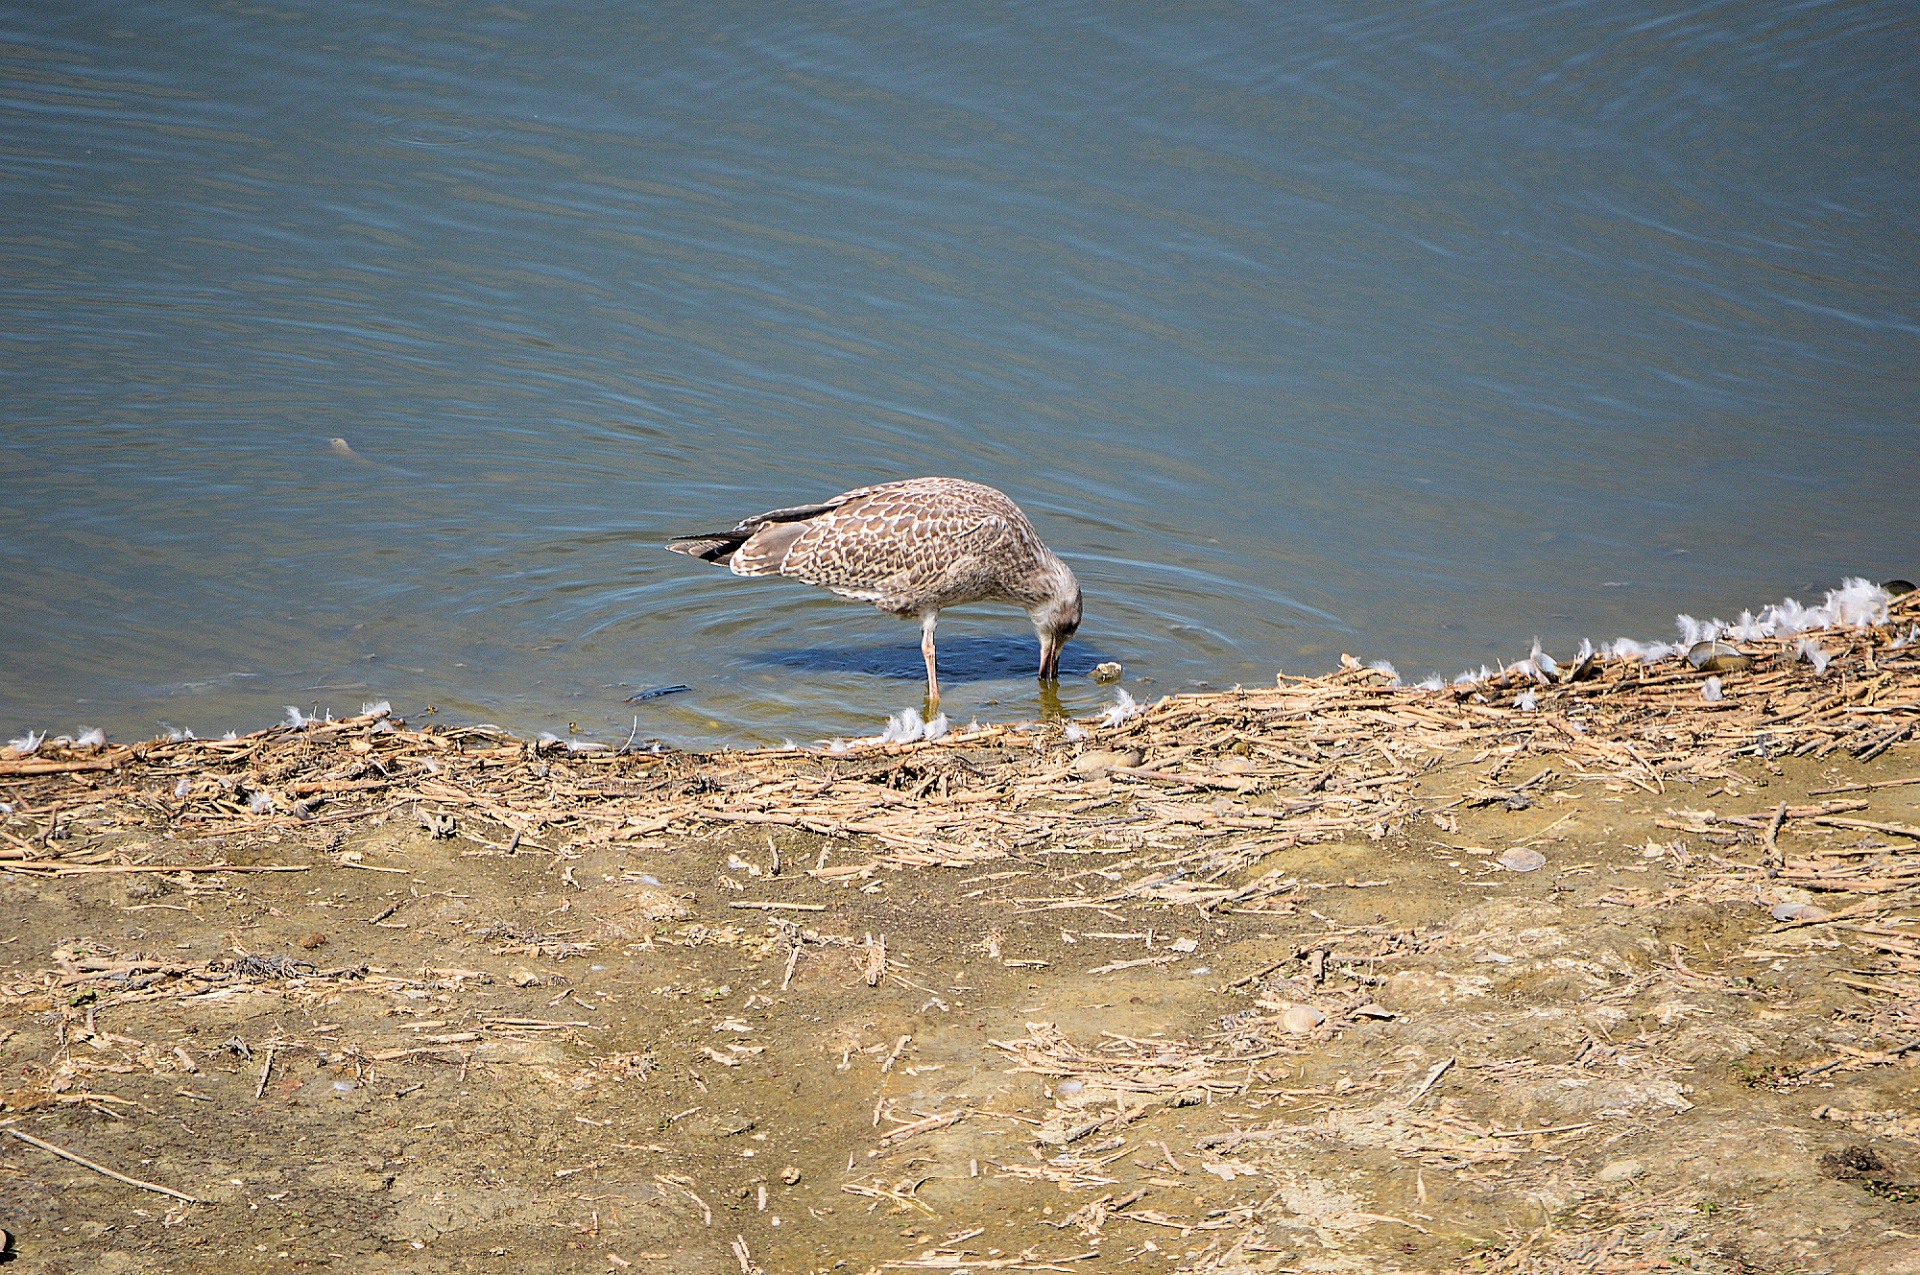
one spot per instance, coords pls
(911, 548)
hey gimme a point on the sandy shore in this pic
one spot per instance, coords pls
(1329, 976)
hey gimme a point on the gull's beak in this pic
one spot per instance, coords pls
(1050, 644)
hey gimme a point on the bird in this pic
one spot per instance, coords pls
(911, 548)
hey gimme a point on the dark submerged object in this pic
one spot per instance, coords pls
(656, 693)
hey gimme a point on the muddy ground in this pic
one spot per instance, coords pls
(422, 1053)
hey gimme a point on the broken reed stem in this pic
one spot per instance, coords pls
(1774, 861)
(102, 1169)
(1438, 1070)
(54, 868)
(266, 1071)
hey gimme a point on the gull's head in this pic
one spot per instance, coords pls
(1055, 620)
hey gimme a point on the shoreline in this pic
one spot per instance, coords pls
(1330, 975)
(1855, 602)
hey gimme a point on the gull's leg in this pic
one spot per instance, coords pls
(927, 622)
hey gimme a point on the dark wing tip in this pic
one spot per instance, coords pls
(719, 546)
(708, 548)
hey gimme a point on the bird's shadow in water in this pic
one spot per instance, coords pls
(963, 658)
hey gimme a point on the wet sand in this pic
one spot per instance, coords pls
(1328, 977)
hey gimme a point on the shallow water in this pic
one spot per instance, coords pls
(1405, 331)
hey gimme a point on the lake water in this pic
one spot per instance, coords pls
(1406, 330)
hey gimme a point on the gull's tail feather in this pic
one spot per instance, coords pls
(708, 546)
(764, 553)
(770, 549)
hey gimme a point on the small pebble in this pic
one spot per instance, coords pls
(1718, 657)
(1098, 762)
(1301, 1019)
(1521, 859)
(316, 939)
(1621, 1171)
(1799, 912)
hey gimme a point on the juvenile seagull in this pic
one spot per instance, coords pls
(910, 548)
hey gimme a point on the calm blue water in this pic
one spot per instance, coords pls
(1410, 330)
